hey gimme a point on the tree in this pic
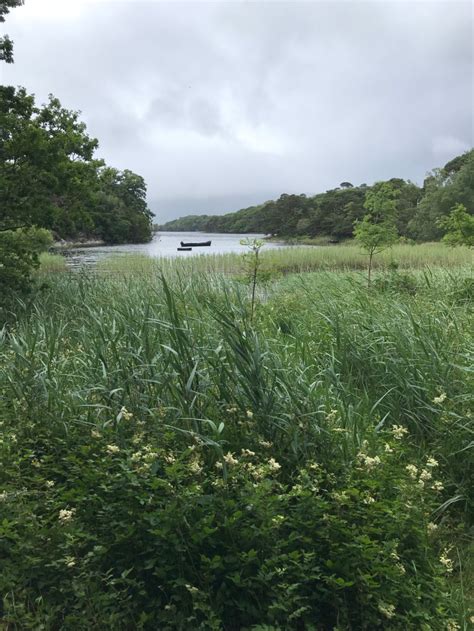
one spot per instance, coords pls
(377, 230)
(49, 176)
(456, 164)
(120, 209)
(458, 226)
(6, 44)
(47, 170)
(346, 185)
(443, 188)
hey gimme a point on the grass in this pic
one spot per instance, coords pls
(51, 263)
(301, 259)
(224, 472)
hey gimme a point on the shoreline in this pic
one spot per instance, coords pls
(68, 245)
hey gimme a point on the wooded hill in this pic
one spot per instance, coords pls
(334, 212)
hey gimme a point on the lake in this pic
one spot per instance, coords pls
(164, 244)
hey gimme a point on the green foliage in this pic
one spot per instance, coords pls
(50, 178)
(395, 281)
(377, 230)
(120, 209)
(168, 464)
(458, 226)
(19, 256)
(334, 212)
(443, 189)
(6, 44)
(375, 237)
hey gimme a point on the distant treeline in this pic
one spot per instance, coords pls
(49, 176)
(333, 213)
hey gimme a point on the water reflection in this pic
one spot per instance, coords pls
(164, 244)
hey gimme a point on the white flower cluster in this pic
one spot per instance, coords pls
(247, 453)
(368, 461)
(230, 460)
(125, 414)
(144, 458)
(274, 465)
(387, 610)
(424, 475)
(195, 467)
(66, 515)
(446, 561)
(398, 431)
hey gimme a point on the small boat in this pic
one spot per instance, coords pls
(187, 249)
(195, 245)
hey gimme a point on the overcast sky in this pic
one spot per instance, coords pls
(220, 105)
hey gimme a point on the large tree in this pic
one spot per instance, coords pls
(46, 164)
(49, 176)
(6, 44)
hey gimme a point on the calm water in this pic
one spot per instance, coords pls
(164, 244)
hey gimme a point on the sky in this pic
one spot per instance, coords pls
(225, 104)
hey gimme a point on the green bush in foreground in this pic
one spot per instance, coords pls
(127, 526)
(19, 257)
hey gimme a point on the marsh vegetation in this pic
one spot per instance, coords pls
(170, 461)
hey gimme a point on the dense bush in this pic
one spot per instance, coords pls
(19, 257)
(127, 526)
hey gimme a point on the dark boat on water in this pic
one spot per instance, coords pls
(195, 245)
(186, 249)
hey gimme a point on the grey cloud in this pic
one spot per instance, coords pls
(232, 100)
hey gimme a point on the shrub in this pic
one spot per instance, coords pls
(19, 256)
(128, 525)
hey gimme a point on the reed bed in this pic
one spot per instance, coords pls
(52, 263)
(171, 462)
(300, 259)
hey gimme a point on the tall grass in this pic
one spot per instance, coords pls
(51, 263)
(94, 343)
(299, 259)
(320, 375)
